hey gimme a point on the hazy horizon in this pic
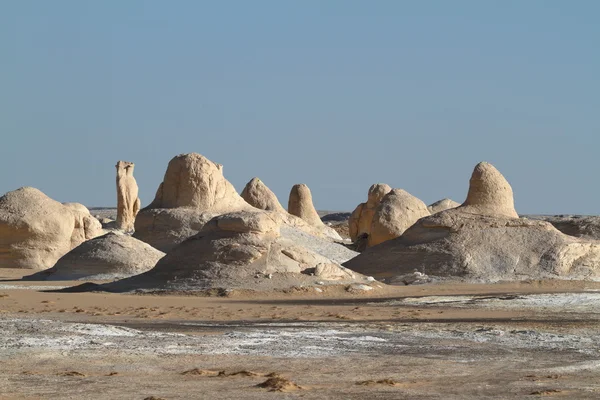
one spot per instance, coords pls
(338, 95)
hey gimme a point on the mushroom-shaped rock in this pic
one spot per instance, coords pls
(301, 205)
(258, 195)
(489, 193)
(111, 256)
(35, 230)
(193, 191)
(362, 216)
(244, 250)
(397, 211)
(442, 205)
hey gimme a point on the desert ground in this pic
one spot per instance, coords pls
(466, 341)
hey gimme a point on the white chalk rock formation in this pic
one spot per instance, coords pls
(489, 193)
(301, 205)
(258, 195)
(35, 230)
(128, 202)
(482, 240)
(442, 205)
(362, 216)
(111, 256)
(242, 250)
(397, 211)
(193, 191)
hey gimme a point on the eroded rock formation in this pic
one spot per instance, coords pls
(301, 205)
(239, 250)
(35, 231)
(482, 240)
(442, 205)
(396, 212)
(362, 216)
(111, 256)
(193, 191)
(128, 202)
(258, 195)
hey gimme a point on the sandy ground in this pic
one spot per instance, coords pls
(463, 341)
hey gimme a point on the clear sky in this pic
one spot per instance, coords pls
(337, 94)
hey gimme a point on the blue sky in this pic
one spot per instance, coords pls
(336, 94)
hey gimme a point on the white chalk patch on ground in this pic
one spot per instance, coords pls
(30, 287)
(278, 340)
(567, 302)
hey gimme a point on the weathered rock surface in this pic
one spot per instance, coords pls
(482, 240)
(303, 215)
(442, 205)
(86, 225)
(128, 202)
(301, 205)
(112, 256)
(193, 191)
(258, 195)
(362, 216)
(489, 193)
(456, 244)
(35, 230)
(587, 227)
(397, 211)
(242, 250)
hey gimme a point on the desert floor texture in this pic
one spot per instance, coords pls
(530, 339)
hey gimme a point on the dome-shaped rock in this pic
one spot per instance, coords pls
(111, 256)
(258, 195)
(35, 230)
(397, 211)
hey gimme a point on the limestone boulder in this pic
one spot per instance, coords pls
(112, 256)
(301, 205)
(457, 244)
(302, 214)
(482, 240)
(489, 193)
(35, 231)
(242, 250)
(192, 192)
(397, 211)
(442, 205)
(361, 218)
(258, 195)
(86, 225)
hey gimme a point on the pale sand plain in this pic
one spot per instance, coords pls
(439, 341)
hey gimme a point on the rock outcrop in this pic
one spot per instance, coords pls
(303, 215)
(258, 195)
(35, 230)
(442, 205)
(489, 193)
(193, 191)
(128, 202)
(482, 240)
(86, 225)
(111, 256)
(242, 250)
(301, 205)
(397, 211)
(362, 216)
